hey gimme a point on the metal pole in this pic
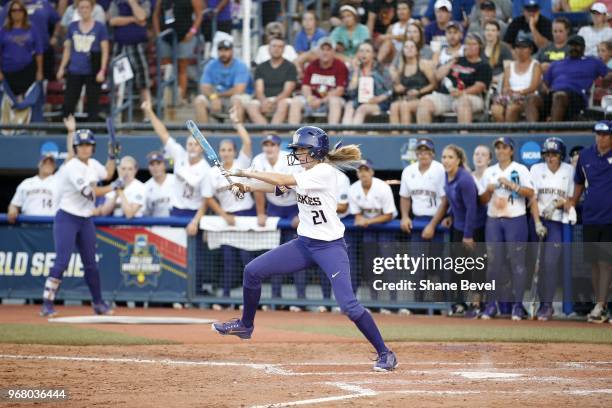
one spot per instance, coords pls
(246, 32)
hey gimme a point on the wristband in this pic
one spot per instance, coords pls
(193, 30)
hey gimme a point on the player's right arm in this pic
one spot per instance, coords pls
(158, 125)
(16, 204)
(70, 123)
(430, 230)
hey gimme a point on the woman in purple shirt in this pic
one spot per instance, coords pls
(20, 49)
(467, 228)
(85, 59)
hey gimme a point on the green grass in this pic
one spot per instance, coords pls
(66, 335)
(468, 333)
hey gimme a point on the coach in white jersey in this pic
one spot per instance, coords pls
(159, 188)
(129, 201)
(190, 168)
(36, 195)
(508, 185)
(422, 187)
(554, 185)
(73, 227)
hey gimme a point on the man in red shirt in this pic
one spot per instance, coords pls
(322, 87)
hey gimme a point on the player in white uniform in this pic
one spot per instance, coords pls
(507, 185)
(371, 202)
(554, 185)
(129, 201)
(36, 195)
(159, 188)
(225, 204)
(190, 169)
(273, 159)
(77, 183)
(320, 237)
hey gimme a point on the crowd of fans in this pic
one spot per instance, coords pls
(415, 61)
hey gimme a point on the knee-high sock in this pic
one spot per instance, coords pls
(250, 303)
(369, 329)
(51, 287)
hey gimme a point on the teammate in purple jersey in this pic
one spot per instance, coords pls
(77, 182)
(320, 236)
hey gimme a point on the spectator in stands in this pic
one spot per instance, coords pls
(221, 12)
(190, 169)
(435, 32)
(351, 33)
(502, 8)
(226, 82)
(414, 79)
(452, 47)
(275, 81)
(532, 23)
(274, 30)
(488, 13)
(381, 14)
(464, 81)
(84, 61)
(392, 41)
(224, 203)
(572, 6)
(508, 187)
(273, 159)
(322, 86)
(42, 18)
(36, 195)
(72, 14)
(360, 5)
(521, 78)
(558, 49)
(567, 84)
(604, 52)
(496, 52)
(129, 19)
(271, 10)
(370, 87)
(594, 179)
(306, 39)
(598, 32)
(21, 50)
(128, 201)
(159, 188)
(185, 18)
(460, 11)
(545, 7)
(415, 33)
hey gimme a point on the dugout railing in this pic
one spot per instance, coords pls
(201, 280)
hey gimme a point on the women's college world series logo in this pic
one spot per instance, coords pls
(140, 263)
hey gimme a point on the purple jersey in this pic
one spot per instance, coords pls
(595, 171)
(575, 74)
(18, 47)
(83, 45)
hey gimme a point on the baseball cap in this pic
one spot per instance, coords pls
(271, 138)
(524, 40)
(350, 9)
(425, 142)
(575, 150)
(155, 156)
(325, 40)
(576, 40)
(505, 140)
(443, 4)
(46, 156)
(225, 44)
(603, 126)
(487, 5)
(455, 25)
(366, 163)
(531, 4)
(599, 7)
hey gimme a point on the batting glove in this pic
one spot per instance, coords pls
(113, 150)
(541, 230)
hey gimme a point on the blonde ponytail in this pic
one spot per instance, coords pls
(345, 156)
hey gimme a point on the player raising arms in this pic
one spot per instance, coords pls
(320, 236)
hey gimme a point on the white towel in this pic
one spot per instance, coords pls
(246, 234)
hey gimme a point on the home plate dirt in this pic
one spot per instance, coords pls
(284, 368)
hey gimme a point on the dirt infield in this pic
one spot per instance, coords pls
(280, 367)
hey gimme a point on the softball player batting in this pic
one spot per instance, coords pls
(554, 184)
(320, 237)
(73, 225)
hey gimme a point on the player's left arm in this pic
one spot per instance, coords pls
(275, 179)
